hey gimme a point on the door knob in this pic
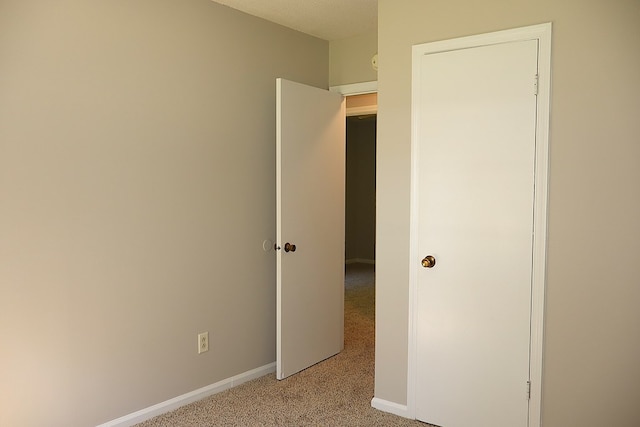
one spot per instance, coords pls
(288, 247)
(428, 261)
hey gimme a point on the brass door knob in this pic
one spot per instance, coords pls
(288, 247)
(429, 261)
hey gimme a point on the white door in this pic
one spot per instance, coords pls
(475, 129)
(310, 182)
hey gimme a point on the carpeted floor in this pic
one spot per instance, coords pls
(336, 392)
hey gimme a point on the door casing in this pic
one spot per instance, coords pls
(542, 33)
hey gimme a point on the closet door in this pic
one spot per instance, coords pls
(474, 193)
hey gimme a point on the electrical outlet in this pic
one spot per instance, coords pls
(203, 342)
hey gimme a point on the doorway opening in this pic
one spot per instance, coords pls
(360, 185)
(360, 224)
(360, 215)
(310, 209)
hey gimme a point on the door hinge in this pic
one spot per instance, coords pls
(528, 390)
(535, 85)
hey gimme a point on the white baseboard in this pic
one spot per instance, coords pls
(391, 407)
(201, 393)
(360, 260)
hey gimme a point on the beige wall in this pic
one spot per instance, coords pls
(592, 343)
(350, 59)
(364, 100)
(137, 184)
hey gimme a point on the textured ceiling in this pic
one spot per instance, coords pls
(326, 19)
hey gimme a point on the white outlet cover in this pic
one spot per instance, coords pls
(203, 342)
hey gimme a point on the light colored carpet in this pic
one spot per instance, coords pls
(336, 392)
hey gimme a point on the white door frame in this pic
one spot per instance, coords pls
(356, 88)
(542, 33)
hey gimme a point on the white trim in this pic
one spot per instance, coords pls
(541, 194)
(533, 32)
(278, 220)
(201, 393)
(390, 407)
(356, 88)
(360, 260)
(542, 33)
